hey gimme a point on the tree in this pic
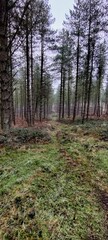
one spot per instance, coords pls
(45, 33)
(100, 74)
(106, 98)
(4, 74)
(5, 45)
(77, 23)
(94, 15)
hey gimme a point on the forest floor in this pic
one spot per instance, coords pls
(55, 187)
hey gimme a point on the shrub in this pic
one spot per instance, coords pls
(24, 135)
(3, 139)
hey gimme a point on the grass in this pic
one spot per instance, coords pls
(57, 190)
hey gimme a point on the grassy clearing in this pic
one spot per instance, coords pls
(57, 190)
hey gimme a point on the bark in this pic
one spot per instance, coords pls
(77, 77)
(44, 108)
(90, 84)
(63, 103)
(21, 101)
(4, 70)
(98, 99)
(41, 80)
(69, 77)
(61, 91)
(32, 78)
(16, 103)
(87, 68)
(28, 73)
(25, 98)
(47, 107)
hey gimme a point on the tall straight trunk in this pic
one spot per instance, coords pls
(62, 83)
(32, 84)
(87, 68)
(11, 88)
(47, 107)
(90, 84)
(25, 98)
(98, 98)
(28, 73)
(106, 108)
(61, 91)
(16, 103)
(82, 98)
(21, 101)
(41, 80)
(11, 75)
(32, 78)
(106, 99)
(36, 106)
(77, 77)
(44, 108)
(95, 105)
(11, 94)
(4, 68)
(78, 106)
(69, 77)
(63, 103)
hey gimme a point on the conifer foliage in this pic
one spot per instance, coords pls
(27, 44)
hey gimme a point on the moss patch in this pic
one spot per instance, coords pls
(56, 190)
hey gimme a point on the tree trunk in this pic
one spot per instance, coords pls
(41, 80)
(77, 77)
(69, 92)
(32, 77)
(4, 68)
(61, 91)
(98, 99)
(90, 84)
(87, 68)
(28, 73)
(63, 103)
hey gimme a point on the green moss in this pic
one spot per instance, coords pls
(59, 182)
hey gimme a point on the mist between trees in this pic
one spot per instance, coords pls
(27, 68)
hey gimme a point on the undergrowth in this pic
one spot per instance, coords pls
(24, 135)
(57, 190)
